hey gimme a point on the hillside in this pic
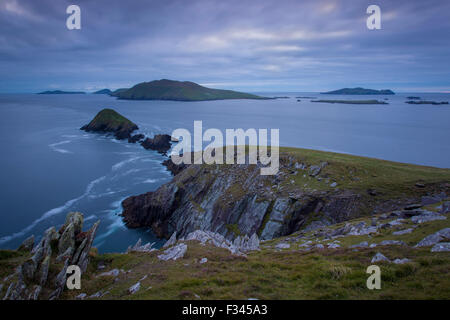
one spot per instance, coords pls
(359, 91)
(178, 91)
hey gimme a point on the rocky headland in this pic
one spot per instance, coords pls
(313, 189)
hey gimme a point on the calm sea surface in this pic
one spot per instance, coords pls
(49, 167)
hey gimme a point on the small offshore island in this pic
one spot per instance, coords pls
(178, 91)
(351, 101)
(61, 92)
(359, 91)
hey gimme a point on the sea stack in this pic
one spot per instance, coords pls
(109, 121)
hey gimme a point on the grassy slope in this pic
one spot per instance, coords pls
(361, 173)
(181, 91)
(111, 119)
(281, 274)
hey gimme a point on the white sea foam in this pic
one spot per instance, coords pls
(124, 162)
(53, 146)
(52, 212)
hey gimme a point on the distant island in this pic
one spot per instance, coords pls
(351, 101)
(61, 92)
(359, 90)
(427, 102)
(413, 98)
(103, 91)
(178, 91)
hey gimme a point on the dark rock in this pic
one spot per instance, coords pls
(427, 200)
(413, 206)
(27, 244)
(135, 138)
(160, 143)
(174, 168)
(419, 185)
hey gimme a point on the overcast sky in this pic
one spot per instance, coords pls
(256, 45)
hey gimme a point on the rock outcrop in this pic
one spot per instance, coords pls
(160, 143)
(237, 200)
(109, 121)
(36, 278)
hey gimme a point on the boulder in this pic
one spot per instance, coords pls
(67, 239)
(282, 245)
(134, 288)
(27, 244)
(405, 231)
(434, 238)
(379, 258)
(428, 216)
(172, 240)
(441, 247)
(401, 261)
(174, 253)
(392, 243)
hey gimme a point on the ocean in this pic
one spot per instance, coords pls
(49, 167)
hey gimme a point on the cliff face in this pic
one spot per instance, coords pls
(235, 199)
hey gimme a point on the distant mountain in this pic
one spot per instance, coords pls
(359, 91)
(103, 91)
(116, 92)
(61, 92)
(179, 91)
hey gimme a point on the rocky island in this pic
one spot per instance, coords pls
(426, 102)
(359, 91)
(178, 91)
(103, 91)
(61, 92)
(109, 121)
(351, 101)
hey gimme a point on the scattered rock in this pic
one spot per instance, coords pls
(406, 231)
(363, 244)
(282, 246)
(427, 216)
(27, 244)
(203, 260)
(445, 207)
(174, 253)
(401, 261)
(333, 185)
(434, 238)
(392, 242)
(113, 272)
(379, 258)
(441, 247)
(172, 240)
(134, 288)
(138, 247)
(419, 185)
(81, 296)
(427, 200)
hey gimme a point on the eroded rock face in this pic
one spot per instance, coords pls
(233, 201)
(72, 247)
